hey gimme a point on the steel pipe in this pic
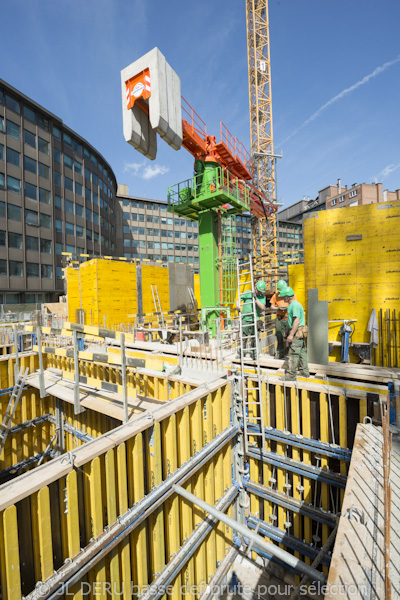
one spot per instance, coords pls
(258, 541)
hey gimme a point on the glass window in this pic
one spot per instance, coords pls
(142, 231)
(87, 173)
(67, 139)
(70, 249)
(94, 178)
(69, 228)
(12, 129)
(30, 191)
(31, 217)
(32, 269)
(88, 193)
(77, 167)
(45, 246)
(59, 248)
(69, 206)
(95, 236)
(1, 124)
(127, 243)
(68, 162)
(134, 230)
(3, 267)
(13, 157)
(134, 216)
(93, 159)
(57, 156)
(44, 196)
(59, 225)
(2, 238)
(78, 210)
(59, 272)
(79, 231)
(78, 189)
(95, 199)
(88, 234)
(44, 146)
(57, 178)
(95, 218)
(30, 164)
(45, 221)
(44, 171)
(14, 240)
(1, 152)
(43, 122)
(56, 132)
(2, 209)
(13, 103)
(31, 243)
(141, 218)
(16, 268)
(86, 152)
(58, 202)
(68, 184)
(77, 147)
(88, 214)
(47, 271)
(13, 184)
(1, 97)
(127, 229)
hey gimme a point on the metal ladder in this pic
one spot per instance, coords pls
(193, 299)
(253, 405)
(12, 406)
(157, 305)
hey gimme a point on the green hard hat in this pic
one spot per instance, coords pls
(261, 286)
(281, 285)
(287, 292)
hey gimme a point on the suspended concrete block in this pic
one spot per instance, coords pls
(151, 103)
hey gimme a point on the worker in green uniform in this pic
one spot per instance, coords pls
(296, 337)
(245, 308)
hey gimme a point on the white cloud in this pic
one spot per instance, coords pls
(143, 171)
(344, 93)
(386, 171)
(152, 171)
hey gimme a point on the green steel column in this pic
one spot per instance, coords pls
(208, 246)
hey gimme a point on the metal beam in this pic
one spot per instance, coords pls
(258, 541)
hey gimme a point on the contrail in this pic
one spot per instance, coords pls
(345, 92)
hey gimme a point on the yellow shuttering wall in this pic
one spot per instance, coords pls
(158, 276)
(352, 256)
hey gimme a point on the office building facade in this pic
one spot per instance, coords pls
(57, 194)
(150, 232)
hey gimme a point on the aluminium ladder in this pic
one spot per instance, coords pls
(253, 418)
(157, 304)
(12, 406)
(193, 299)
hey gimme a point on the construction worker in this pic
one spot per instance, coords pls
(281, 323)
(245, 309)
(296, 337)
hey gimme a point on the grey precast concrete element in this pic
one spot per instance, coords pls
(165, 112)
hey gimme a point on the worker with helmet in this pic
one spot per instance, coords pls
(296, 337)
(244, 305)
(279, 305)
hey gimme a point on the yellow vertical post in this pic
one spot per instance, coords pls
(171, 507)
(227, 456)
(254, 464)
(209, 483)
(35, 536)
(45, 541)
(186, 510)
(198, 490)
(73, 527)
(266, 468)
(113, 556)
(280, 449)
(12, 584)
(2, 559)
(63, 517)
(122, 508)
(156, 519)
(218, 470)
(324, 429)
(96, 509)
(296, 456)
(363, 408)
(139, 537)
(307, 494)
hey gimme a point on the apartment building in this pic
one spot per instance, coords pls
(358, 194)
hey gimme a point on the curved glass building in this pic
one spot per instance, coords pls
(57, 194)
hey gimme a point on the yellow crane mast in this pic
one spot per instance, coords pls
(261, 134)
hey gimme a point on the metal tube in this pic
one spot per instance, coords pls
(123, 371)
(77, 399)
(184, 554)
(16, 370)
(381, 335)
(258, 541)
(294, 595)
(42, 387)
(219, 574)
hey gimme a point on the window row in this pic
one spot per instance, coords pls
(15, 240)
(163, 258)
(29, 113)
(16, 269)
(160, 245)
(14, 213)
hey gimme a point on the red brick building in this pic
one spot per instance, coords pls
(362, 193)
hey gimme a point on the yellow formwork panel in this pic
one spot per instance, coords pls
(197, 289)
(352, 256)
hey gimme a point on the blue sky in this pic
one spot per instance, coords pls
(343, 55)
